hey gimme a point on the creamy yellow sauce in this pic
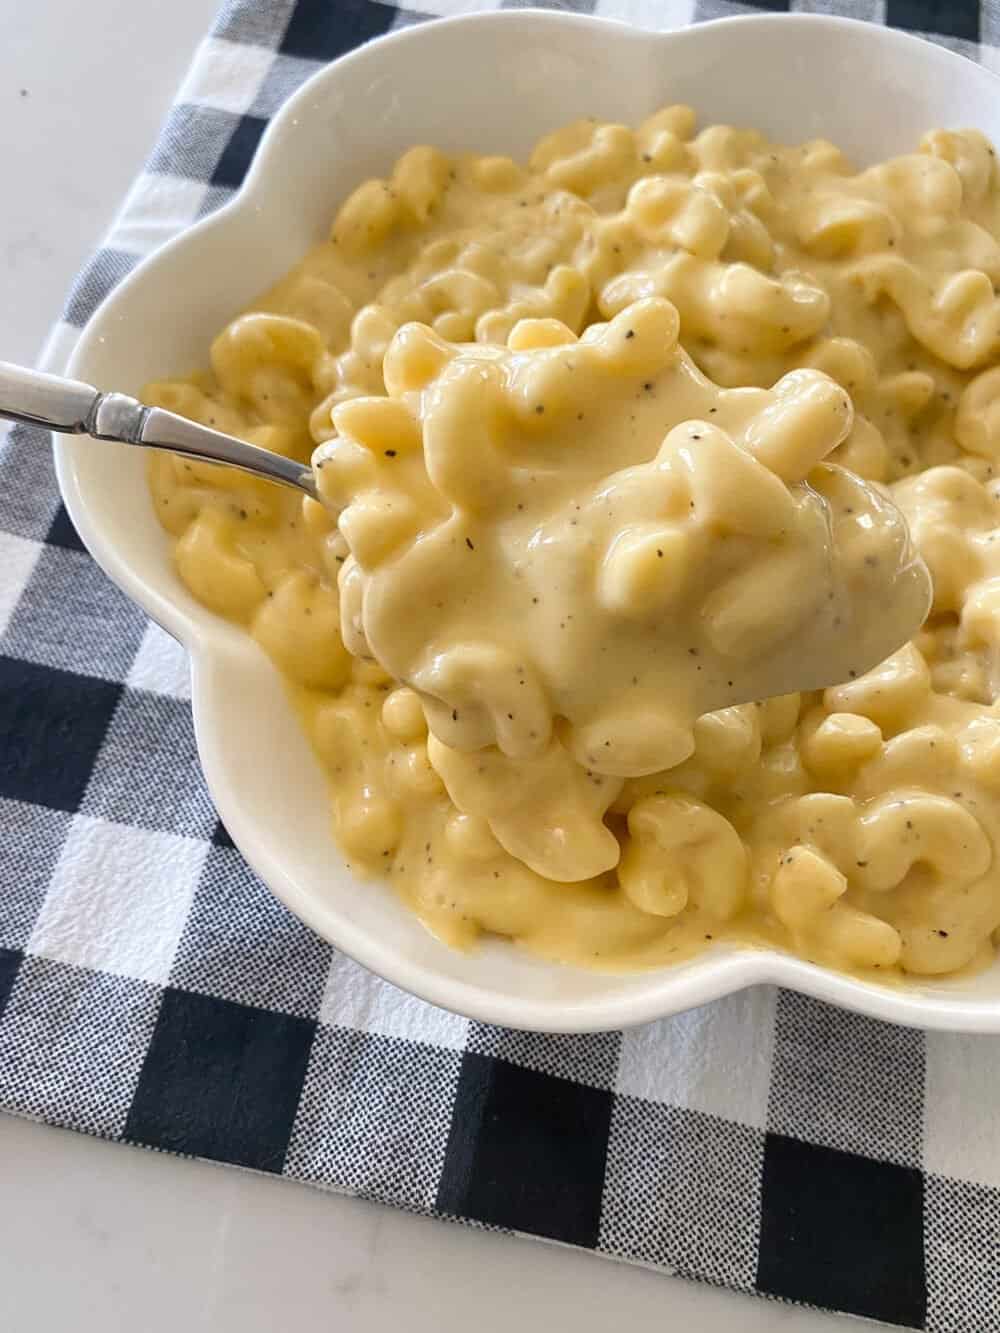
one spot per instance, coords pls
(571, 549)
(581, 501)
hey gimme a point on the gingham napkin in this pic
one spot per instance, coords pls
(153, 991)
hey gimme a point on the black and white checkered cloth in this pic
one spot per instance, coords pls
(152, 990)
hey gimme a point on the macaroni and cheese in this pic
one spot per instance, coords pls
(571, 423)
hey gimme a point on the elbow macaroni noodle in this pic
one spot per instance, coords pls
(573, 426)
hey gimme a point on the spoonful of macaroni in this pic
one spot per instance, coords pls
(571, 548)
(585, 541)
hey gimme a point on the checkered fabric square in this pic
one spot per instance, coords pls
(153, 991)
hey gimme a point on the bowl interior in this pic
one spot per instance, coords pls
(492, 83)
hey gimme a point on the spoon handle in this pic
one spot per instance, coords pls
(35, 399)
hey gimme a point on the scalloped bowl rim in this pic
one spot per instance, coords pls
(223, 659)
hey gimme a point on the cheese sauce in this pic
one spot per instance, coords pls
(601, 481)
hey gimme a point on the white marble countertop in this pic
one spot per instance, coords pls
(101, 1237)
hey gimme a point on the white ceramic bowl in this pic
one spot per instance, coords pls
(491, 82)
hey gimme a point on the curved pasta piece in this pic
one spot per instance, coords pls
(298, 625)
(683, 851)
(546, 811)
(832, 226)
(477, 694)
(904, 830)
(214, 570)
(266, 359)
(977, 423)
(807, 894)
(958, 318)
(972, 156)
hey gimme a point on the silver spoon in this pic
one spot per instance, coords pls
(73, 408)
